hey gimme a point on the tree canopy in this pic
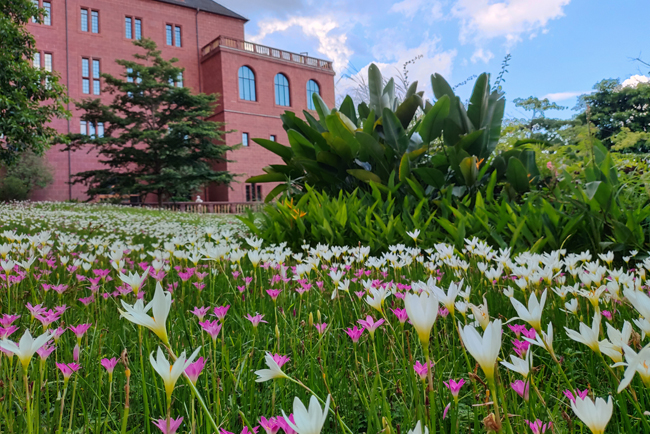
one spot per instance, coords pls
(30, 97)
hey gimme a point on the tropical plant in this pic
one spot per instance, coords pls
(427, 147)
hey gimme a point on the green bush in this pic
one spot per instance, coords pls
(21, 179)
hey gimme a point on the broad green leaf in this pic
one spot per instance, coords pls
(431, 126)
(268, 177)
(407, 109)
(375, 88)
(364, 175)
(517, 176)
(284, 152)
(347, 108)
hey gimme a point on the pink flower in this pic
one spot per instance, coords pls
(280, 360)
(401, 315)
(444, 413)
(199, 285)
(360, 294)
(57, 333)
(35, 310)
(273, 293)
(443, 312)
(530, 334)
(421, 370)
(521, 388)
(256, 320)
(454, 386)
(109, 364)
(271, 425)
(87, 300)
(370, 324)
(539, 427)
(200, 312)
(5, 332)
(67, 370)
(284, 425)
(580, 394)
(355, 333)
(45, 351)
(517, 329)
(321, 327)
(75, 353)
(212, 327)
(221, 311)
(7, 319)
(80, 330)
(194, 370)
(607, 314)
(174, 424)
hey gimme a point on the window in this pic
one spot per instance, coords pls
(312, 88)
(90, 129)
(47, 18)
(84, 20)
(94, 21)
(170, 36)
(35, 3)
(179, 79)
(246, 84)
(86, 75)
(253, 192)
(96, 83)
(282, 90)
(132, 26)
(272, 138)
(244, 139)
(177, 36)
(37, 60)
(48, 62)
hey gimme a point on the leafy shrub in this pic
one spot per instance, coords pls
(21, 179)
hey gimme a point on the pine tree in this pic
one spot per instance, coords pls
(156, 138)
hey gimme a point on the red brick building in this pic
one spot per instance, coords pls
(82, 38)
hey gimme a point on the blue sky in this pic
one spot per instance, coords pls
(559, 48)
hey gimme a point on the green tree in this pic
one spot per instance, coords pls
(30, 97)
(614, 109)
(156, 137)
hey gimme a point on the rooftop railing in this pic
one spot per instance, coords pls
(207, 207)
(262, 50)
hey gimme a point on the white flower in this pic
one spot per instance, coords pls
(587, 336)
(171, 373)
(308, 422)
(422, 310)
(544, 339)
(481, 313)
(619, 339)
(532, 315)
(449, 298)
(134, 280)
(161, 304)
(485, 349)
(635, 363)
(377, 297)
(274, 370)
(413, 234)
(595, 415)
(572, 306)
(26, 347)
(520, 366)
(418, 429)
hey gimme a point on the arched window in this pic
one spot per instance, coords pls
(312, 88)
(282, 90)
(246, 84)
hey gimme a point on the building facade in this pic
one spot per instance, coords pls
(80, 39)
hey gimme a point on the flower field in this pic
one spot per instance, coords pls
(118, 320)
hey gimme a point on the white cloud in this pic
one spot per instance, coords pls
(635, 80)
(509, 19)
(331, 35)
(563, 96)
(483, 55)
(410, 8)
(432, 60)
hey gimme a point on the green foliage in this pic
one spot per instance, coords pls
(424, 148)
(566, 213)
(156, 138)
(30, 97)
(22, 178)
(612, 108)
